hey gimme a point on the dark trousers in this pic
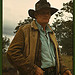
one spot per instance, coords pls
(49, 71)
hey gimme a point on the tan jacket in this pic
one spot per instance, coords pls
(22, 50)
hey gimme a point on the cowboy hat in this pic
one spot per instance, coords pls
(41, 5)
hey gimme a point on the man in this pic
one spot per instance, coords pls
(34, 49)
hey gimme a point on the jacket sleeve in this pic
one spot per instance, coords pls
(16, 57)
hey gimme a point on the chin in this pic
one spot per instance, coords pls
(46, 22)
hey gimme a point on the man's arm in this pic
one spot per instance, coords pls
(16, 57)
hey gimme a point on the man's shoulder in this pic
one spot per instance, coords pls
(29, 26)
(25, 26)
(50, 28)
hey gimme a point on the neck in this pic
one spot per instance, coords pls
(43, 25)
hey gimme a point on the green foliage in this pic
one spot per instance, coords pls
(68, 61)
(5, 43)
(63, 28)
(68, 7)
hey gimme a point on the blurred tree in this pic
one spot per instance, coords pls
(63, 28)
(68, 7)
(26, 21)
(5, 43)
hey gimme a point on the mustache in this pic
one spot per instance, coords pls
(46, 18)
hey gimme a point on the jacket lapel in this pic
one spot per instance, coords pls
(33, 40)
(53, 38)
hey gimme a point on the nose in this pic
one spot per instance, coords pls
(47, 15)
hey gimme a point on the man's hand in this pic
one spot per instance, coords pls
(39, 71)
(67, 72)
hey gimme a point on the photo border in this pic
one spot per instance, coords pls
(0, 37)
(73, 37)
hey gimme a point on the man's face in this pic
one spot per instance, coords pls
(43, 16)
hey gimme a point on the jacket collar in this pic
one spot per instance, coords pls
(50, 28)
(34, 26)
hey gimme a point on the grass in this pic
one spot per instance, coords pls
(68, 61)
(5, 62)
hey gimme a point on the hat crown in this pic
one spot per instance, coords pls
(42, 4)
(43, 1)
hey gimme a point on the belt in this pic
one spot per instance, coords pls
(49, 69)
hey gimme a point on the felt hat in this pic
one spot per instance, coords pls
(42, 4)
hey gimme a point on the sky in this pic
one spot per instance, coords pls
(16, 10)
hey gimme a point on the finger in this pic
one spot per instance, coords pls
(70, 73)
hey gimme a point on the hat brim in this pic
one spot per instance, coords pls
(31, 12)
